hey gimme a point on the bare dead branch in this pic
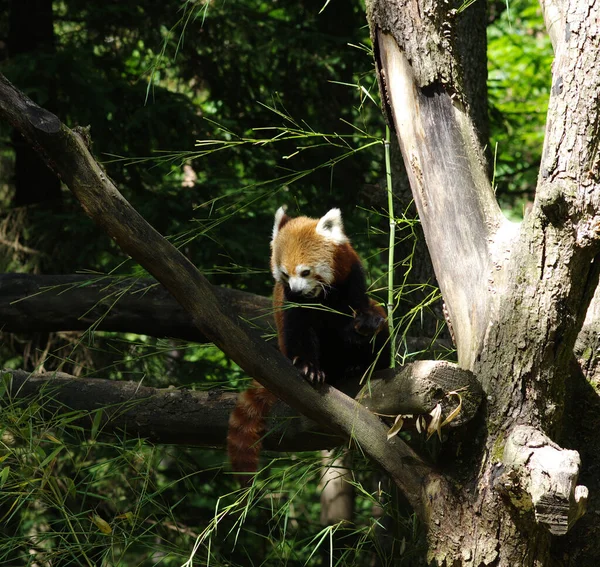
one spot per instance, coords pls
(540, 476)
(45, 303)
(67, 153)
(160, 415)
(200, 418)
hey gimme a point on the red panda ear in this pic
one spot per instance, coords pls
(281, 219)
(331, 227)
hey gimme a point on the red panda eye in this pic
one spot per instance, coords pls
(305, 273)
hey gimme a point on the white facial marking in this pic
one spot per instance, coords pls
(303, 271)
(299, 285)
(325, 272)
(303, 281)
(280, 274)
(331, 227)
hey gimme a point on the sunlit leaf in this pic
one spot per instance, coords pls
(395, 429)
(4, 475)
(455, 411)
(436, 421)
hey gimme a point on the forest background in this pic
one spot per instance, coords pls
(283, 99)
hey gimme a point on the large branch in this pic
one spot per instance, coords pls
(466, 233)
(200, 418)
(68, 154)
(167, 415)
(45, 303)
(555, 266)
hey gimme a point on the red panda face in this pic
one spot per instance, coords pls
(303, 251)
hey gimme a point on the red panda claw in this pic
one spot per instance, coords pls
(309, 370)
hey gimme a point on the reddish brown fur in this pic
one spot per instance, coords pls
(302, 245)
(344, 258)
(246, 428)
(298, 239)
(278, 305)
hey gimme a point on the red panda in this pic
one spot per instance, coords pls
(326, 323)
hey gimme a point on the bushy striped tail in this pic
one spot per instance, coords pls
(247, 427)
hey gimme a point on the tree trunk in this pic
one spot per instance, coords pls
(516, 296)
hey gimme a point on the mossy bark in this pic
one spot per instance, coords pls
(516, 295)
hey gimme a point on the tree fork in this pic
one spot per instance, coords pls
(516, 294)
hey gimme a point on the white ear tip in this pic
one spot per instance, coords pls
(331, 226)
(279, 214)
(333, 214)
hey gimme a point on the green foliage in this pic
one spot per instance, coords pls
(70, 498)
(209, 116)
(520, 59)
(74, 498)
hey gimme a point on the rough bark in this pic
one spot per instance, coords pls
(196, 418)
(30, 303)
(540, 477)
(68, 154)
(516, 295)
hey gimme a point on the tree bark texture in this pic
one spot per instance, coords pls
(51, 303)
(67, 152)
(516, 295)
(198, 418)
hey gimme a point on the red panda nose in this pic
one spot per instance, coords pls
(296, 285)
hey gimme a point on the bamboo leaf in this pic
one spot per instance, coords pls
(101, 524)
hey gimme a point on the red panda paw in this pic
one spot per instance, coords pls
(368, 323)
(309, 370)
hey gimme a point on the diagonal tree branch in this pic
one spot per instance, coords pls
(67, 153)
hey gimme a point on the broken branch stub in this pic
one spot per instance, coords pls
(418, 387)
(540, 476)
